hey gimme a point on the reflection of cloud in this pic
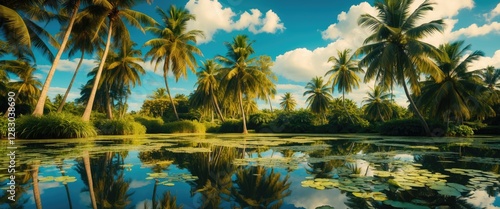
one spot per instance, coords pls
(140, 205)
(311, 198)
(481, 199)
(138, 184)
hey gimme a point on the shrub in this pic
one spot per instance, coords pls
(184, 126)
(3, 127)
(339, 122)
(153, 125)
(291, 122)
(119, 127)
(231, 126)
(258, 119)
(211, 127)
(460, 130)
(410, 127)
(53, 126)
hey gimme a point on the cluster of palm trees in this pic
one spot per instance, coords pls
(395, 54)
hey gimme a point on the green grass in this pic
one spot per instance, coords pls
(53, 126)
(153, 125)
(119, 127)
(184, 126)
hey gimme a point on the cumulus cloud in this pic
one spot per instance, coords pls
(74, 93)
(494, 13)
(484, 62)
(212, 16)
(475, 30)
(70, 65)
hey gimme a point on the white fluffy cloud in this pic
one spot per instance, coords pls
(484, 62)
(70, 65)
(212, 16)
(475, 30)
(494, 13)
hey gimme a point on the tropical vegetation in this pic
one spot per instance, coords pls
(445, 94)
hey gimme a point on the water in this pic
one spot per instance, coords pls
(256, 171)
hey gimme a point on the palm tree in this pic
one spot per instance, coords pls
(28, 85)
(288, 103)
(491, 78)
(115, 11)
(20, 29)
(378, 106)
(71, 6)
(452, 95)
(208, 84)
(319, 95)
(239, 77)
(264, 63)
(174, 45)
(159, 93)
(395, 45)
(81, 40)
(343, 74)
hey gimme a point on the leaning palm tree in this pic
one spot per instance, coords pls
(343, 74)
(82, 40)
(70, 7)
(319, 95)
(288, 103)
(453, 95)
(239, 78)
(115, 11)
(264, 63)
(208, 84)
(378, 106)
(395, 45)
(174, 45)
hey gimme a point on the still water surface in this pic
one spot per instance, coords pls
(255, 171)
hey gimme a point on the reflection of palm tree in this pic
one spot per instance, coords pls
(36, 188)
(110, 187)
(86, 162)
(22, 186)
(63, 173)
(258, 188)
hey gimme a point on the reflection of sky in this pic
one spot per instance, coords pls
(481, 199)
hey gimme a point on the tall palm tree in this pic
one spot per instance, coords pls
(159, 93)
(319, 95)
(453, 94)
(343, 74)
(264, 63)
(239, 77)
(115, 11)
(82, 40)
(208, 84)
(19, 25)
(71, 7)
(174, 45)
(395, 45)
(378, 106)
(288, 103)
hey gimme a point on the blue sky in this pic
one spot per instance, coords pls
(298, 35)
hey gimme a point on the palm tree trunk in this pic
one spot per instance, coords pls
(380, 115)
(412, 103)
(36, 188)
(270, 105)
(90, 103)
(170, 96)
(345, 108)
(240, 98)
(45, 89)
(86, 162)
(59, 109)
(217, 105)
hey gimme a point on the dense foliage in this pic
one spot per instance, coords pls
(53, 126)
(119, 127)
(184, 126)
